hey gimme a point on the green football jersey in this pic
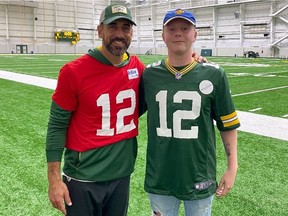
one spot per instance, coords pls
(181, 150)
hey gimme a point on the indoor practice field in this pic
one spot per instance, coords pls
(258, 86)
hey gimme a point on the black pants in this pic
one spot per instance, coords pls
(98, 198)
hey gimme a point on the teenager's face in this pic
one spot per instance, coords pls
(179, 35)
(116, 36)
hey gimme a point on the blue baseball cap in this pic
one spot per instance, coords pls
(179, 14)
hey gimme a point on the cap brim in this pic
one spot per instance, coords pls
(178, 17)
(112, 19)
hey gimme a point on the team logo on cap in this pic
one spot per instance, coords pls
(119, 9)
(179, 11)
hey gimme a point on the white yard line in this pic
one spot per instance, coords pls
(254, 110)
(250, 122)
(263, 90)
(28, 79)
(268, 126)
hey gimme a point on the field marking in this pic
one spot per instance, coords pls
(243, 64)
(58, 60)
(263, 90)
(263, 125)
(268, 126)
(29, 79)
(266, 74)
(256, 109)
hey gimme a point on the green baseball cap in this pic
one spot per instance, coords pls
(114, 12)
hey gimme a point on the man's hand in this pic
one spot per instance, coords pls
(58, 194)
(226, 183)
(198, 58)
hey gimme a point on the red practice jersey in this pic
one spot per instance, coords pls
(103, 99)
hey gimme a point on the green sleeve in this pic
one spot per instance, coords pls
(56, 132)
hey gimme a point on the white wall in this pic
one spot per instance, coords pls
(227, 29)
(33, 23)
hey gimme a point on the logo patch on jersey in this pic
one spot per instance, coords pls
(206, 87)
(204, 185)
(133, 73)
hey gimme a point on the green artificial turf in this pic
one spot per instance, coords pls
(261, 184)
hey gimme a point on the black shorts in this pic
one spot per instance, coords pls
(108, 198)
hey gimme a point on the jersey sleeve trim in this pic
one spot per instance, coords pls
(230, 120)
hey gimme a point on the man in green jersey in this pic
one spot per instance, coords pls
(183, 99)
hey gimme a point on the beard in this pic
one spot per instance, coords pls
(116, 46)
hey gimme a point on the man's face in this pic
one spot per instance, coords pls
(116, 36)
(179, 35)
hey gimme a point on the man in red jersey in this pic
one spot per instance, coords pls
(94, 117)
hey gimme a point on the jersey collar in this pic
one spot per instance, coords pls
(95, 53)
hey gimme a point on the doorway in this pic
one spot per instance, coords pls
(21, 49)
